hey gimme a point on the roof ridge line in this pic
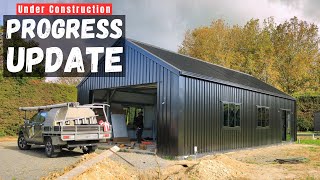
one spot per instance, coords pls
(133, 41)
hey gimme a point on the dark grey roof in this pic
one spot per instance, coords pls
(197, 68)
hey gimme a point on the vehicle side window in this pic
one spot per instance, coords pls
(39, 117)
(35, 118)
(42, 116)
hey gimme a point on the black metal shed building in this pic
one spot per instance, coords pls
(195, 103)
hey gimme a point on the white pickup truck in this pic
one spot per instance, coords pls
(67, 125)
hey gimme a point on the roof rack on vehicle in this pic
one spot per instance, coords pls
(94, 105)
(37, 108)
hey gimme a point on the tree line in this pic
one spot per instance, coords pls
(284, 55)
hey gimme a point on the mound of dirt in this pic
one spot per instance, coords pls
(245, 164)
(55, 175)
(108, 169)
(218, 167)
(212, 167)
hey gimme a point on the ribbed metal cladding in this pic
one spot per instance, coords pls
(144, 68)
(201, 117)
(189, 109)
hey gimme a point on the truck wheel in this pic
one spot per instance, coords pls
(49, 148)
(22, 143)
(89, 149)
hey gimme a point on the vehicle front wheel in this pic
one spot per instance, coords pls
(49, 148)
(89, 149)
(22, 143)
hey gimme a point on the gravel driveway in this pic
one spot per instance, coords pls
(33, 163)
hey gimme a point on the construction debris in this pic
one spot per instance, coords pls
(142, 146)
(121, 157)
(132, 144)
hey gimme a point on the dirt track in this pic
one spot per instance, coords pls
(31, 164)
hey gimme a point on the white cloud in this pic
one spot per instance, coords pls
(164, 23)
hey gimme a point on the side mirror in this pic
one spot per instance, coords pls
(26, 121)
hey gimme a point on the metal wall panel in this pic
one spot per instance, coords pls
(144, 68)
(189, 110)
(316, 121)
(200, 118)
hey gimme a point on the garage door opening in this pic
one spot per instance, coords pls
(125, 104)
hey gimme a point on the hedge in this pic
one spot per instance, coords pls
(30, 93)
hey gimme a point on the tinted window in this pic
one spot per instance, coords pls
(259, 116)
(267, 116)
(42, 116)
(226, 114)
(237, 111)
(39, 117)
(35, 118)
(263, 115)
(231, 114)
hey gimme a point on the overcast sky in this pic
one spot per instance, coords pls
(163, 23)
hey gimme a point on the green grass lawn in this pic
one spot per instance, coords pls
(308, 132)
(305, 132)
(310, 141)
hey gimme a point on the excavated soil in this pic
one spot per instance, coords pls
(244, 164)
(54, 175)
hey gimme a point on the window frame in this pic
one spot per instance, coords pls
(235, 105)
(263, 120)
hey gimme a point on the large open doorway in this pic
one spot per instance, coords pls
(285, 124)
(125, 104)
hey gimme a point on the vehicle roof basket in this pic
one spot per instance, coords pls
(94, 105)
(37, 108)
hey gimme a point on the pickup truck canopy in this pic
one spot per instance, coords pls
(67, 114)
(70, 113)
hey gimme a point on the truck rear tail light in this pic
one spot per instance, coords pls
(66, 137)
(106, 125)
(106, 135)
